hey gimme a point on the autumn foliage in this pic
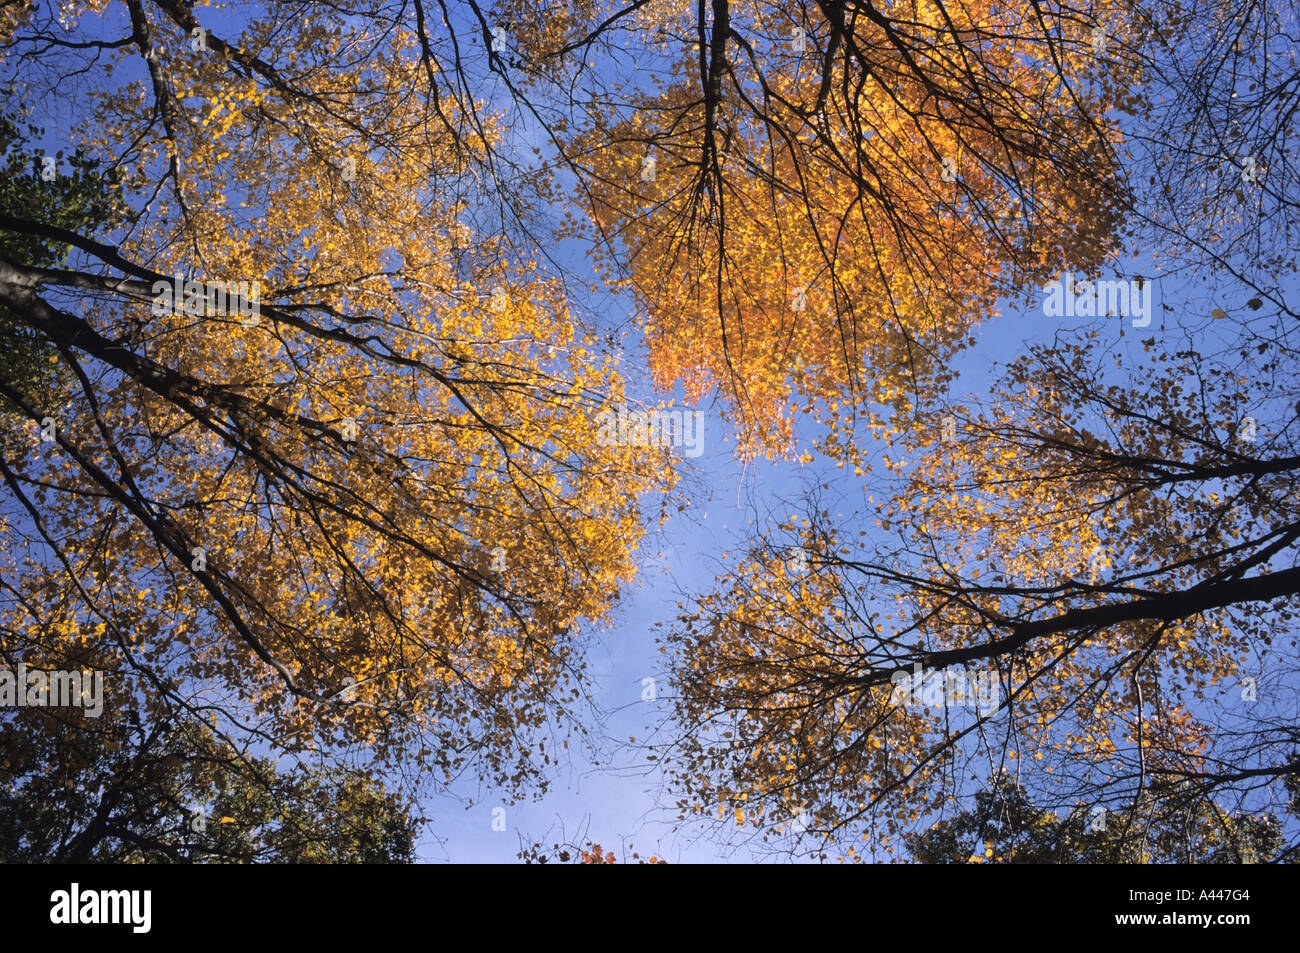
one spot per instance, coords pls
(371, 524)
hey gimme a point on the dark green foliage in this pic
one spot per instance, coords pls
(1172, 825)
(123, 794)
(80, 198)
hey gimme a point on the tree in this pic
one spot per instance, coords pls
(1004, 827)
(327, 453)
(1103, 545)
(588, 853)
(823, 202)
(87, 199)
(174, 793)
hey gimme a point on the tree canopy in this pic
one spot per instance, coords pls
(311, 316)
